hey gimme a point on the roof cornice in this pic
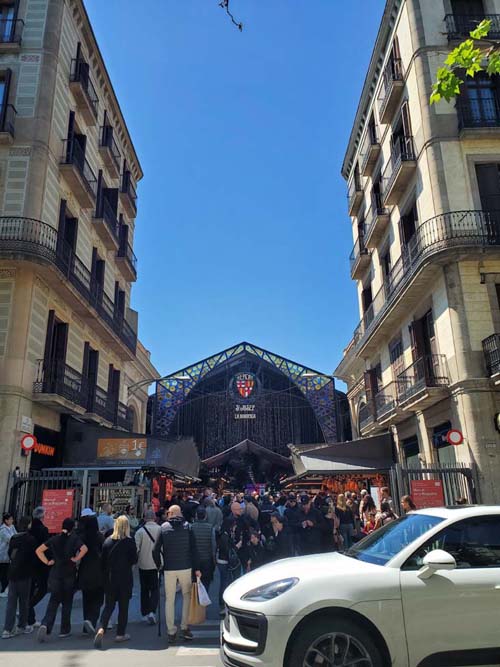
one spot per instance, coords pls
(391, 11)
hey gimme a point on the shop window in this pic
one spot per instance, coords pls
(411, 452)
(445, 453)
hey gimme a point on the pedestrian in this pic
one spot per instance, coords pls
(22, 559)
(255, 553)
(363, 494)
(346, 521)
(7, 530)
(206, 545)
(90, 572)
(214, 514)
(39, 582)
(369, 508)
(133, 521)
(386, 515)
(225, 549)
(385, 497)
(408, 505)
(176, 549)
(145, 540)
(266, 510)
(293, 518)
(310, 527)
(119, 555)
(65, 550)
(281, 543)
(105, 520)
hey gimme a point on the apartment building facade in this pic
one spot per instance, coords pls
(424, 202)
(68, 173)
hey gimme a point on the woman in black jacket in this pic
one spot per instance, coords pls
(119, 555)
(280, 545)
(90, 573)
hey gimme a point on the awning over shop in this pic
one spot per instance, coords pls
(368, 455)
(247, 447)
(92, 446)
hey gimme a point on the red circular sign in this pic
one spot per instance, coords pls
(454, 437)
(28, 442)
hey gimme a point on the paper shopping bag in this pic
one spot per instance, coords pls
(197, 613)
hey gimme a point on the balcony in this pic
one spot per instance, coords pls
(366, 417)
(391, 87)
(399, 171)
(25, 238)
(423, 383)
(78, 173)
(7, 121)
(360, 259)
(378, 218)
(386, 403)
(110, 153)
(370, 151)
(83, 90)
(491, 351)
(355, 195)
(458, 233)
(60, 387)
(479, 118)
(124, 417)
(128, 196)
(11, 31)
(459, 27)
(99, 408)
(107, 225)
(127, 261)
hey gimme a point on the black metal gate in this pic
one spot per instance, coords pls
(25, 491)
(458, 480)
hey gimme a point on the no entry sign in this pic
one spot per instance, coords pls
(454, 437)
(28, 442)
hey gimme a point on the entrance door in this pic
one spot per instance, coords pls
(457, 611)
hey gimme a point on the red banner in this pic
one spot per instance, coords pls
(58, 505)
(427, 493)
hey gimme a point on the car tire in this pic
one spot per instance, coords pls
(315, 639)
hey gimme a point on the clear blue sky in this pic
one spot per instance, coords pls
(242, 231)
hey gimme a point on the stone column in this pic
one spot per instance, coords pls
(424, 443)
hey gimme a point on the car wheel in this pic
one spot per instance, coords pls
(334, 642)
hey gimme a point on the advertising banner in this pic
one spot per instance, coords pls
(58, 504)
(427, 493)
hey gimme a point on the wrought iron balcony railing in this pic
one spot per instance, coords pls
(105, 211)
(80, 73)
(371, 142)
(355, 192)
(100, 404)
(124, 417)
(427, 371)
(128, 188)
(376, 210)
(491, 351)
(37, 239)
(60, 379)
(402, 151)
(11, 31)
(393, 73)
(386, 400)
(359, 251)
(366, 415)
(457, 229)
(74, 154)
(478, 113)
(126, 251)
(461, 26)
(107, 140)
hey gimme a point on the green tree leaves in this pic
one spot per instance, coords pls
(469, 58)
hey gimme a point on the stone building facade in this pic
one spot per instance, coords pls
(68, 172)
(424, 202)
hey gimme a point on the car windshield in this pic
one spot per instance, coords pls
(382, 545)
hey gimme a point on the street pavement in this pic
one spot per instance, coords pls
(144, 648)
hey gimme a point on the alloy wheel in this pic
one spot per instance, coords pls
(337, 649)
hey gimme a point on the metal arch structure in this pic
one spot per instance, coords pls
(318, 388)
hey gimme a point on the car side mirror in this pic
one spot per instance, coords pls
(436, 560)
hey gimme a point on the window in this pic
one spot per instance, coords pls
(446, 453)
(411, 452)
(407, 229)
(488, 180)
(396, 356)
(482, 97)
(474, 543)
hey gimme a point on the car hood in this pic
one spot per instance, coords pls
(323, 577)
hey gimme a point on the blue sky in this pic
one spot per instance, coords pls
(242, 231)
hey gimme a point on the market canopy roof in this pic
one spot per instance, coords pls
(244, 447)
(357, 456)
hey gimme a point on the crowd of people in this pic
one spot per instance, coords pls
(187, 540)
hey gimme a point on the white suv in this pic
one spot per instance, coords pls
(423, 591)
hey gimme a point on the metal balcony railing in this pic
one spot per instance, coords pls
(386, 400)
(358, 251)
(80, 73)
(124, 417)
(126, 251)
(355, 189)
(370, 140)
(393, 72)
(366, 415)
(107, 140)
(128, 187)
(402, 151)
(478, 113)
(11, 31)
(74, 154)
(105, 211)
(491, 351)
(461, 26)
(60, 379)
(100, 404)
(37, 239)
(427, 371)
(374, 212)
(457, 229)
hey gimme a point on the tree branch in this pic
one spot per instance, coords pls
(225, 5)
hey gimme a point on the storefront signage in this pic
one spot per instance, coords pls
(46, 450)
(133, 449)
(58, 505)
(427, 493)
(245, 412)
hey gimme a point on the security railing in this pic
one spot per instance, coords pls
(80, 73)
(107, 140)
(478, 113)
(461, 26)
(491, 350)
(427, 371)
(393, 72)
(402, 151)
(60, 379)
(74, 154)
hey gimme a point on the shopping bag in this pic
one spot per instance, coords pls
(197, 613)
(203, 598)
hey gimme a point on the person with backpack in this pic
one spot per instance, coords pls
(21, 553)
(90, 572)
(145, 540)
(66, 550)
(119, 555)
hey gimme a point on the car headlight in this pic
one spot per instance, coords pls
(270, 591)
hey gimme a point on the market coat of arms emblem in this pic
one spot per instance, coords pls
(245, 384)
